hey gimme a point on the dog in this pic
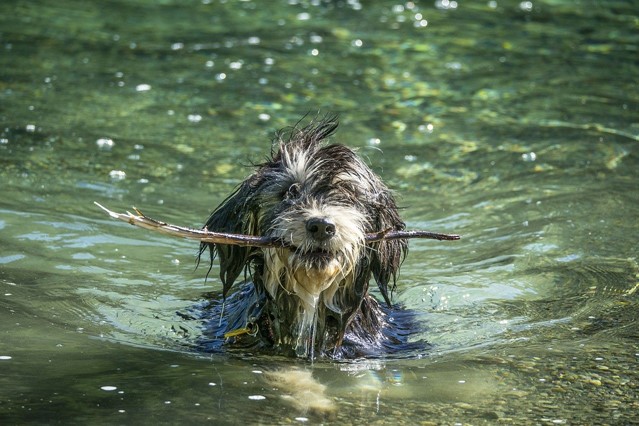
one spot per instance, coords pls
(309, 297)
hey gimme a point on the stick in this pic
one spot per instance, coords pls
(206, 236)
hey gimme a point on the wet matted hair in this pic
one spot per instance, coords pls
(310, 296)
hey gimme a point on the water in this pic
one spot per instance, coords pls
(511, 123)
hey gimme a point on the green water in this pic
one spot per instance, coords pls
(515, 124)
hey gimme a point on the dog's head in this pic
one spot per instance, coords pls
(321, 200)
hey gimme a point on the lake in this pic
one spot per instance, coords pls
(512, 123)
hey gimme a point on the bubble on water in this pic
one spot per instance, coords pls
(4, 357)
(30, 128)
(256, 397)
(194, 118)
(526, 6)
(105, 144)
(108, 388)
(264, 117)
(529, 156)
(426, 128)
(143, 87)
(117, 175)
(445, 4)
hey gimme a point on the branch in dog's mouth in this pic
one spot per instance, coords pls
(206, 236)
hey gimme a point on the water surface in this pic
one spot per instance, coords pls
(511, 123)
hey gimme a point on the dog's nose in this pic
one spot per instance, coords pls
(320, 228)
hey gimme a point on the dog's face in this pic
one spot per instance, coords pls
(321, 200)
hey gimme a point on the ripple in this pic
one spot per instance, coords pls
(11, 258)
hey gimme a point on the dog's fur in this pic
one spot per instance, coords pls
(310, 298)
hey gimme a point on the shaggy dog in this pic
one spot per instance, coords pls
(310, 297)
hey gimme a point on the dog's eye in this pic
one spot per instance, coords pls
(293, 191)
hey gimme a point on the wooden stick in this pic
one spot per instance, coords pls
(206, 236)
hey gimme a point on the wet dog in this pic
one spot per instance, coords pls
(309, 297)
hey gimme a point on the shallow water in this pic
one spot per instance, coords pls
(512, 123)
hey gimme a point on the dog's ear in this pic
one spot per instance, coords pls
(236, 215)
(388, 255)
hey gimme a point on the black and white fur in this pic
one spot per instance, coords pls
(312, 297)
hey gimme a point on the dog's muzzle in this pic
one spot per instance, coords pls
(317, 251)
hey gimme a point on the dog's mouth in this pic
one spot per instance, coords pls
(316, 257)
